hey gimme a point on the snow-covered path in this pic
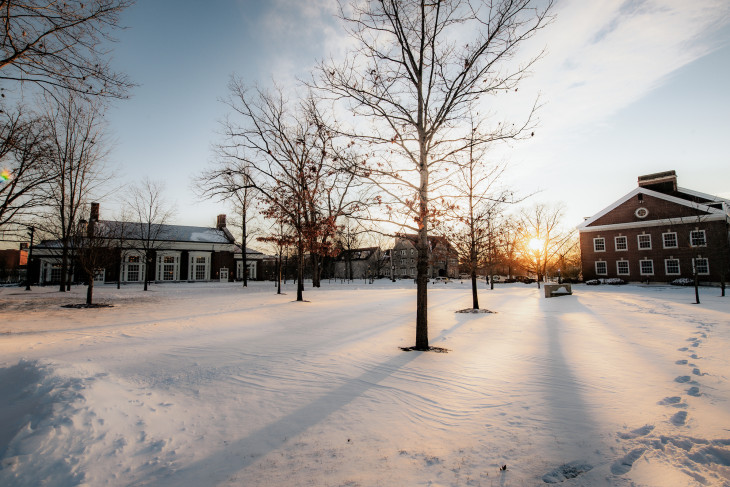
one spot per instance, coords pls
(193, 385)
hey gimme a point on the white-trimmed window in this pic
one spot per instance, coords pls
(621, 243)
(644, 241)
(701, 265)
(599, 244)
(697, 238)
(669, 240)
(601, 267)
(251, 264)
(622, 267)
(646, 267)
(671, 267)
(100, 275)
(133, 267)
(168, 266)
(199, 268)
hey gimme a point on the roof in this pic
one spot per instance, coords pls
(169, 233)
(714, 207)
(357, 254)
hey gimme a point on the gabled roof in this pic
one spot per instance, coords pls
(169, 233)
(711, 212)
(357, 254)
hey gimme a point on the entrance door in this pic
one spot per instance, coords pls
(224, 274)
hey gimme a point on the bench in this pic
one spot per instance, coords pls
(552, 290)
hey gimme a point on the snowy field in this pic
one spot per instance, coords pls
(213, 385)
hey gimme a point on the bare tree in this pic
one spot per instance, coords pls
(541, 239)
(289, 156)
(96, 248)
(412, 78)
(24, 156)
(76, 153)
(150, 213)
(231, 181)
(61, 46)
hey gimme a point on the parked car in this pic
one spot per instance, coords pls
(524, 279)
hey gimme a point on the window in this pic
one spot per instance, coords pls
(133, 269)
(641, 213)
(599, 244)
(403, 252)
(133, 258)
(644, 241)
(100, 275)
(622, 267)
(671, 267)
(168, 266)
(601, 268)
(670, 240)
(701, 266)
(697, 238)
(646, 267)
(621, 243)
(199, 266)
(133, 272)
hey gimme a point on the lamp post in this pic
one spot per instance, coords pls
(31, 230)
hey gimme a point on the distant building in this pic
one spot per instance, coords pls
(254, 264)
(442, 258)
(12, 264)
(658, 232)
(182, 253)
(361, 263)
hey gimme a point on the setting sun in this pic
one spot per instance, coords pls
(536, 243)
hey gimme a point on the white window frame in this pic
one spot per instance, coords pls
(638, 241)
(707, 264)
(160, 277)
(251, 264)
(599, 241)
(618, 268)
(625, 240)
(126, 265)
(193, 266)
(641, 267)
(605, 268)
(100, 275)
(666, 267)
(664, 240)
(692, 240)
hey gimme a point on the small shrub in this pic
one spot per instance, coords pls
(615, 281)
(593, 282)
(683, 281)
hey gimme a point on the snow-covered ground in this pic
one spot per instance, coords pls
(203, 385)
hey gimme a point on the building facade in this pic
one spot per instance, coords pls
(443, 260)
(178, 253)
(658, 232)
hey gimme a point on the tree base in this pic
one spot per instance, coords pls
(84, 305)
(429, 349)
(474, 311)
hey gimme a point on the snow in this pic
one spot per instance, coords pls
(213, 384)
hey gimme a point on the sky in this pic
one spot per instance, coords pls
(627, 88)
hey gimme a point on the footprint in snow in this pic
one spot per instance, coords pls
(623, 465)
(696, 344)
(670, 401)
(682, 378)
(565, 472)
(681, 362)
(683, 349)
(643, 431)
(697, 372)
(694, 391)
(679, 419)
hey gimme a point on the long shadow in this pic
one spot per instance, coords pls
(221, 465)
(562, 390)
(241, 453)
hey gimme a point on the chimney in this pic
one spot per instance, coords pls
(94, 213)
(663, 182)
(221, 222)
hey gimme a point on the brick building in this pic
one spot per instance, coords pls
(658, 232)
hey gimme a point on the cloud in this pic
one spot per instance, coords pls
(603, 56)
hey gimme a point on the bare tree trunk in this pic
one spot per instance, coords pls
(243, 250)
(474, 296)
(90, 290)
(422, 264)
(300, 270)
(64, 268)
